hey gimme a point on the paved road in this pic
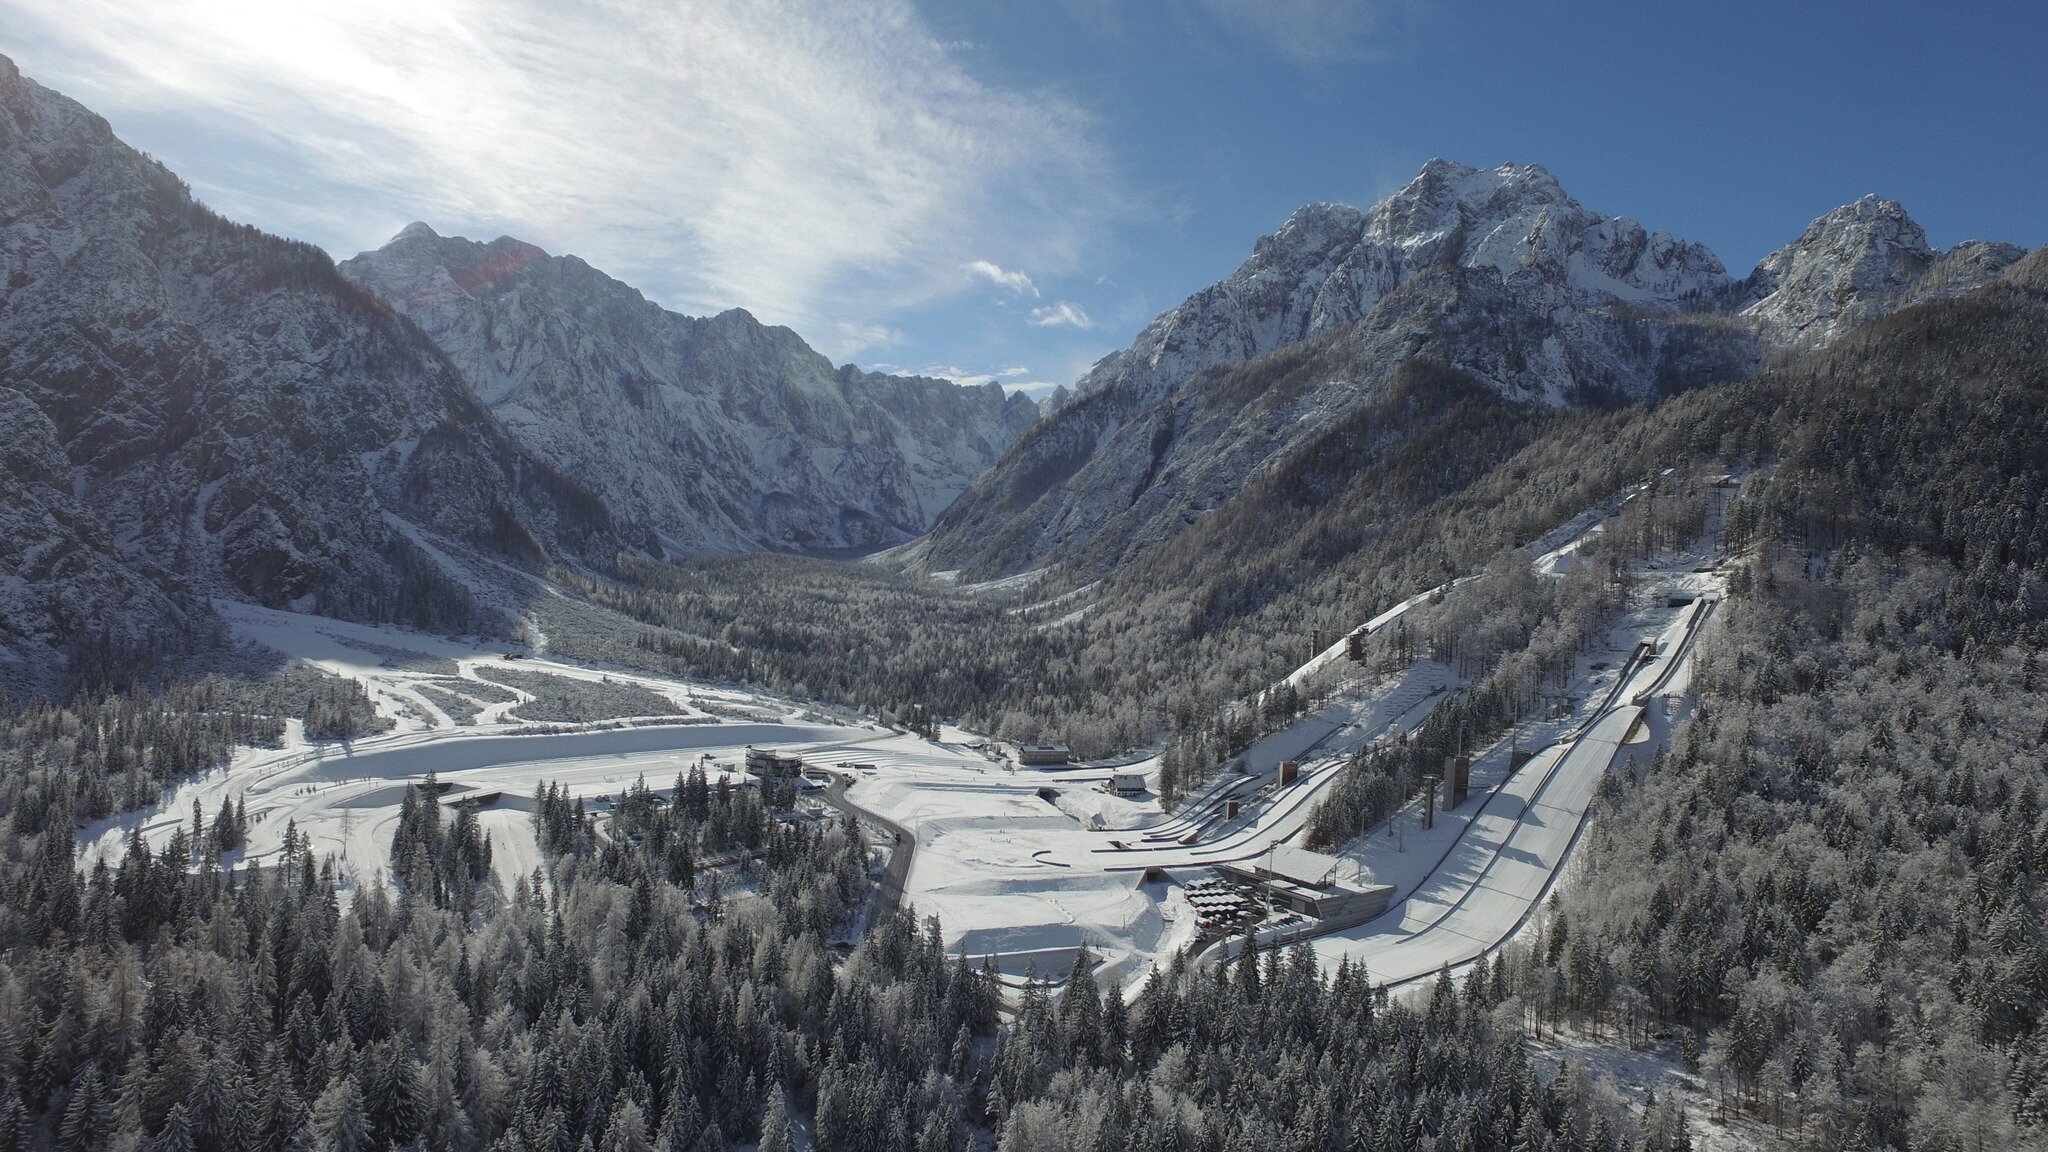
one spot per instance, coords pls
(889, 889)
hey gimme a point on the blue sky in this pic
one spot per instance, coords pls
(1008, 190)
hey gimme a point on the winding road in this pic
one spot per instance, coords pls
(889, 889)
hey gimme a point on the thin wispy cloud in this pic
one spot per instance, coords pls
(1001, 277)
(1307, 31)
(1065, 312)
(821, 162)
(860, 337)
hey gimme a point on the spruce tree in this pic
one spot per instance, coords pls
(775, 1133)
(340, 1122)
(88, 1119)
(176, 1133)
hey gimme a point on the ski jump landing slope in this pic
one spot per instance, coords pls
(1509, 857)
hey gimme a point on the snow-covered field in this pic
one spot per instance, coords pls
(1025, 864)
(344, 795)
(1014, 864)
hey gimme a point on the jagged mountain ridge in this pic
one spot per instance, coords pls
(721, 433)
(194, 406)
(200, 408)
(1496, 275)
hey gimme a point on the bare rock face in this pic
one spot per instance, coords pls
(1858, 263)
(190, 408)
(197, 408)
(721, 433)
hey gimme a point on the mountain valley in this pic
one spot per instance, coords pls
(1480, 675)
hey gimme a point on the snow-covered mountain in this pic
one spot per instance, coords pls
(191, 406)
(1330, 266)
(1857, 263)
(1496, 274)
(721, 433)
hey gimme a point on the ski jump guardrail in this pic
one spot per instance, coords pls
(1569, 743)
(1702, 608)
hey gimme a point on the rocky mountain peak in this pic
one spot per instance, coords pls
(1494, 273)
(419, 265)
(1518, 220)
(1312, 231)
(1331, 265)
(1856, 263)
(1872, 239)
(1874, 218)
(1446, 196)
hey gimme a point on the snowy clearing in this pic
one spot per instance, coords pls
(1025, 864)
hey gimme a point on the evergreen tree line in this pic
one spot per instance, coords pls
(164, 1003)
(1838, 869)
(1268, 1051)
(1515, 638)
(1834, 876)
(167, 1002)
(103, 752)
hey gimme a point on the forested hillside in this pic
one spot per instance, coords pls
(665, 985)
(1322, 542)
(1174, 635)
(1833, 881)
(1828, 895)
(1839, 870)
(1837, 874)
